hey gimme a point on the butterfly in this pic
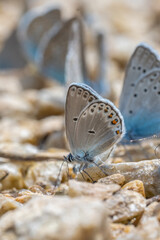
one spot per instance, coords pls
(53, 50)
(47, 40)
(100, 83)
(93, 124)
(34, 25)
(140, 97)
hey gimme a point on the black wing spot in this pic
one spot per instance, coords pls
(130, 111)
(145, 90)
(133, 67)
(151, 79)
(158, 93)
(155, 74)
(155, 87)
(139, 68)
(79, 91)
(144, 70)
(135, 95)
(132, 84)
(75, 119)
(73, 89)
(91, 132)
(85, 95)
(90, 99)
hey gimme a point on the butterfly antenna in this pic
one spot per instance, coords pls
(58, 177)
(68, 175)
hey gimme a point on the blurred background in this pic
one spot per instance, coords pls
(125, 24)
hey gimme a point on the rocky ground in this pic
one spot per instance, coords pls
(37, 200)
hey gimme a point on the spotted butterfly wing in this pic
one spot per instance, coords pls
(141, 62)
(93, 124)
(138, 98)
(142, 114)
(78, 97)
(100, 126)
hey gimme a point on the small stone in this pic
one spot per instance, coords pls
(135, 185)
(125, 205)
(118, 229)
(14, 177)
(96, 190)
(43, 173)
(149, 230)
(7, 203)
(57, 218)
(113, 179)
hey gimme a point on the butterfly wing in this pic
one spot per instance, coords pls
(78, 97)
(34, 25)
(100, 84)
(141, 62)
(73, 67)
(99, 126)
(53, 50)
(142, 113)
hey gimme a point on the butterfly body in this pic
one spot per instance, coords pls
(93, 124)
(81, 158)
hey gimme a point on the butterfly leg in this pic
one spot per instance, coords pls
(82, 169)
